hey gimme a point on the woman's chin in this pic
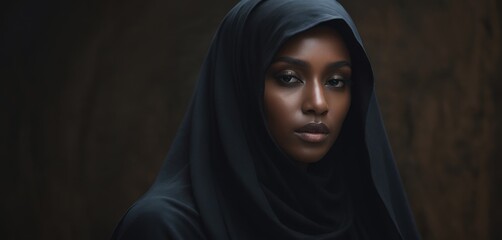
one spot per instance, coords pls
(307, 159)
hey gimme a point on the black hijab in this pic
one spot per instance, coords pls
(226, 178)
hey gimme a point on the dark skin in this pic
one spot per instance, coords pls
(308, 82)
(307, 93)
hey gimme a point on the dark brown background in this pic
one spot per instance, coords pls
(93, 91)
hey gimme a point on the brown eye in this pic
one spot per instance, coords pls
(336, 82)
(288, 78)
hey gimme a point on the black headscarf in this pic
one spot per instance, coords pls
(226, 178)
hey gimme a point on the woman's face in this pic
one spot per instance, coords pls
(307, 93)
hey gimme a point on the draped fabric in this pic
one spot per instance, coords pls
(226, 178)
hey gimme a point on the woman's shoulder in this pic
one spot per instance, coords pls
(171, 216)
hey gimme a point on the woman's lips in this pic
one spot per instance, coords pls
(313, 132)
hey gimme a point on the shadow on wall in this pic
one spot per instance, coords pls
(92, 93)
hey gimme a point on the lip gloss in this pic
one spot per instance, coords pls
(312, 137)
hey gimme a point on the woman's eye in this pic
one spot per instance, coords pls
(288, 78)
(337, 82)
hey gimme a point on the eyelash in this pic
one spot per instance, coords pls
(285, 78)
(337, 82)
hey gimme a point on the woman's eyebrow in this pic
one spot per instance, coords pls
(301, 63)
(339, 64)
(292, 61)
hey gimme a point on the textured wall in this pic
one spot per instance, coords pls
(94, 92)
(91, 94)
(438, 68)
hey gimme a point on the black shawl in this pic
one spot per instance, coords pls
(226, 178)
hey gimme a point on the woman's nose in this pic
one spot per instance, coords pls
(315, 101)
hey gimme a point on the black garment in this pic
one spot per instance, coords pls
(226, 178)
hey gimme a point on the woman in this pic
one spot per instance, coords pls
(282, 140)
